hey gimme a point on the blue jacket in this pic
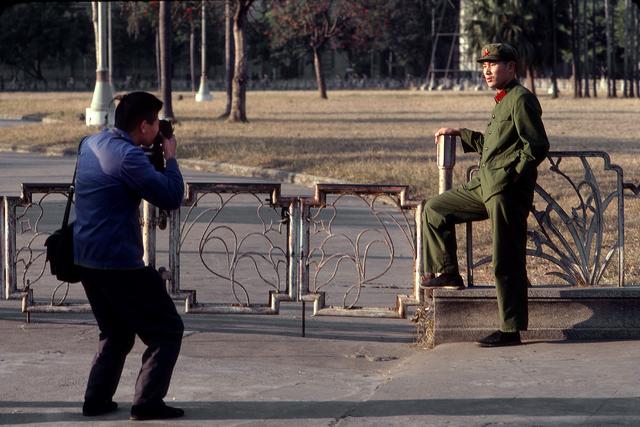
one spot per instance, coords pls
(113, 177)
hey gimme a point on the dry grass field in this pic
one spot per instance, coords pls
(357, 136)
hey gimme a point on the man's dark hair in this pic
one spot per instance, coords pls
(135, 107)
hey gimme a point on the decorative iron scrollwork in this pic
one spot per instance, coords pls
(580, 240)
(366, 252)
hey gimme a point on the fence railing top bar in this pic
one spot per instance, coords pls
(322, 190)
(28, 189)
(194, 188)
(578, 153)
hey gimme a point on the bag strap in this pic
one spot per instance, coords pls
(72, 189)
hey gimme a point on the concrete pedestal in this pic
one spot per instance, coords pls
(554, 313)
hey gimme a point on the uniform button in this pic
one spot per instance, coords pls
(489, 132)
(493, 116)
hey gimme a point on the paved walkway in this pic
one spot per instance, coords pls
(258, 371)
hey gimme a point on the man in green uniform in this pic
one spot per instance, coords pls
(511, 148)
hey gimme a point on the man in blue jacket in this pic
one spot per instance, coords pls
(127, 298)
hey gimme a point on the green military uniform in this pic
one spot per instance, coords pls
(511, 148)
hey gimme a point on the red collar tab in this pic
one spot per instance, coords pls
(501, 94)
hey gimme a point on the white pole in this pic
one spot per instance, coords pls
(101, 111)
(203, 93)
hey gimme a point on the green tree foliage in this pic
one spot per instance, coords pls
(35, 35)
(407, 32)
(514, 22)
(318, 24)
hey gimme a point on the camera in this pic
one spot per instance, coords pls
(154, 153)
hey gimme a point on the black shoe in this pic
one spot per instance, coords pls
(445, 280)
(155, 411)
(500, 339)
(92, 408)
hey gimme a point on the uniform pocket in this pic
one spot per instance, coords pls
(503, 161)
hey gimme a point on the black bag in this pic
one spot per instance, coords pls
(60, 243)
(60, 255)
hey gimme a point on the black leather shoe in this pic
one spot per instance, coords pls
(155, 411)
(500, 339)
(92, 408)
(445, 280)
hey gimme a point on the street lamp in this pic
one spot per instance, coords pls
(203, 92)
(101, 112)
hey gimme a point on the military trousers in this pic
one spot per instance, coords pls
(507, 211)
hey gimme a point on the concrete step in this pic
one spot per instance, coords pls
(554, 313)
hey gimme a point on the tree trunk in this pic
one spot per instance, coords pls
(192, 57)
(165, 59)
(632, 50)
(628, 80)
(575, 63)
(636, 50)
(593, 49)
(94, 20)
(585, 49)
(239, 88)
(317, 65)
(554, 65)
(158, 65)
(229, 56)
(609, 37)
(532, 81)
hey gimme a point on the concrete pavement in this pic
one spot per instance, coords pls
(245, 370)
(256, 371)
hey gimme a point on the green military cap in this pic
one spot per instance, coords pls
(498, 52)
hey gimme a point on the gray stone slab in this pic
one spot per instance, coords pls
(554, 313)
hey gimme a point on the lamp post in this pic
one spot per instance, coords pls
(101, 111)
(203, 92)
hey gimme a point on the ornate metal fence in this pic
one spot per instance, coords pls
(27, 221)
(360, 250)
(246, 269)
(352, 250)
(576, 226)
(243, 248)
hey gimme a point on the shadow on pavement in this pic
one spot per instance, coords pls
(273, 410)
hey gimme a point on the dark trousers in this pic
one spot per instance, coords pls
(507, 212)
(127, 303)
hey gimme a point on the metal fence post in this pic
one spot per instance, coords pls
(418, 263)
(294, 248)
(149, 233)
(174, 249)
(446, 161)
(2, 255)
(9, 246)
(303, 252)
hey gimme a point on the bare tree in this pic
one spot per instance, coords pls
(575, 49)
(593, 48)
(611, 82)
(229, 55)
(94, 20)
(164, 31)
(238, 111)
(584, 47)
(192, 55)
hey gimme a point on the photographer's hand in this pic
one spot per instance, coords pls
(169, 148)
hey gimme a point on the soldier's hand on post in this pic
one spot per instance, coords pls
(446, 131)
(169, 147)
